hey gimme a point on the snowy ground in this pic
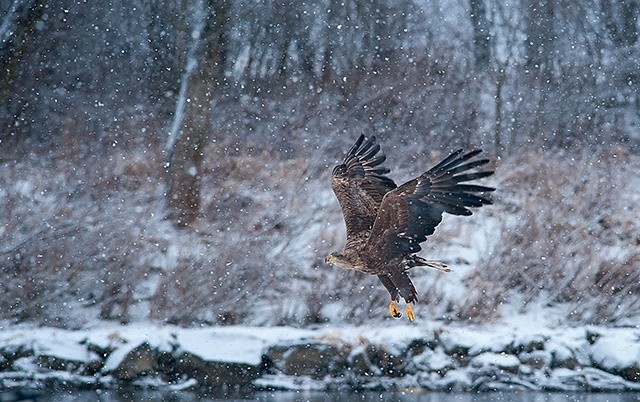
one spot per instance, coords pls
(518, 354)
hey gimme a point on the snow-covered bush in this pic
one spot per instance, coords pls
(569, 236)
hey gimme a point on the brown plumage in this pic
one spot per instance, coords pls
(386, 223)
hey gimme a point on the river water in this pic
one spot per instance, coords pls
(310, 396)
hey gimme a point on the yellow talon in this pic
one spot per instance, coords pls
(410, 315)
(394, 310)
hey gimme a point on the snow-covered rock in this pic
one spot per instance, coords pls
(501, 361)
(617, 351)
(470, 341)
(311, 359)
(425, 356)
(136, 362)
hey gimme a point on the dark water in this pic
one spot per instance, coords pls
(308, 396)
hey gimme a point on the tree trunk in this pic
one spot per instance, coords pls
(185, 145)
(18, 38)
(481, 49)
(497, 133)
(481, 56)
(183, 195)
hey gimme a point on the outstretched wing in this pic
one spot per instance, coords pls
(360, 183)
(411, 212)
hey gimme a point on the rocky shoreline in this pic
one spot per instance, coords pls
(430, 357)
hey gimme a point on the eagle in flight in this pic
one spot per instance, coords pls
(386, 223)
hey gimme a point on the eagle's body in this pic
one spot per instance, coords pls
(386, 223)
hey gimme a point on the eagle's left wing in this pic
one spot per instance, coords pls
(411, 212)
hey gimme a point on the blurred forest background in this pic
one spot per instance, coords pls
(170, 160)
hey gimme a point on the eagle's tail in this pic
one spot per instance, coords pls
(417, 261)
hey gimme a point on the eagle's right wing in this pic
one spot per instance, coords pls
(360, 183)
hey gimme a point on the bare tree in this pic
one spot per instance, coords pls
(17, 41)
(481, 34)
(203, 71)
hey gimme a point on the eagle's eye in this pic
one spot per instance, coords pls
(331, 259)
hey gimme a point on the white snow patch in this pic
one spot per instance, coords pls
(617, 349)
(115, 337)
(501, 360)
(455, 379)
(192, 382)
(475, 340)
(61, 344)
(235, 344)
(64, 347)
(229, 348)
(434, 360)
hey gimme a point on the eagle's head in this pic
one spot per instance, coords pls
(338, 259)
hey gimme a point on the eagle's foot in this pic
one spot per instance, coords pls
(410, 315)
(394, 310)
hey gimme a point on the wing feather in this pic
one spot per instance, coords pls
(411, 212)
(360, 183)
